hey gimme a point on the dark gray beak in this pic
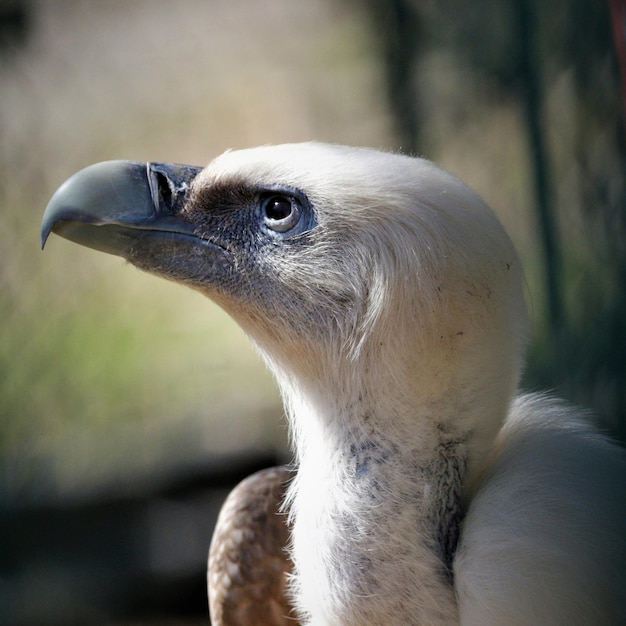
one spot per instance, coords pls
(109, 206)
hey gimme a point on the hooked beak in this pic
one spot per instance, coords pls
(112, 205)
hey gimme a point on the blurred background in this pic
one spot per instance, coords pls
(129, 406)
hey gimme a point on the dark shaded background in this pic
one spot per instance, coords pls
(128, 406)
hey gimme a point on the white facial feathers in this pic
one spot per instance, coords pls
(398, 241)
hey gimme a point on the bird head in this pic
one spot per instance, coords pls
(349, 267)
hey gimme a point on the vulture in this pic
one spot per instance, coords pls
(387, 300)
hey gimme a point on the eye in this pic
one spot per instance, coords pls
(280, 213)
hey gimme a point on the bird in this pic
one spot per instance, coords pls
(388, 301)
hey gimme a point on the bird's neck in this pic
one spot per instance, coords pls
(376, 509)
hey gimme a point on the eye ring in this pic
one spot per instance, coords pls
(281, 213)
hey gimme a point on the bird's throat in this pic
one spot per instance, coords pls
(375, 517)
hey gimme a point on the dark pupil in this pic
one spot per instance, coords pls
(278, 208)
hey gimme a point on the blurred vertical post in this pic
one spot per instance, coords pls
(532, 95)
(397, 26)
(618, 23)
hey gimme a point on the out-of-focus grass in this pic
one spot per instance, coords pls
(115, 365)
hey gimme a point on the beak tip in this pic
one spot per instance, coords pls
(50, 219)
(46, 229)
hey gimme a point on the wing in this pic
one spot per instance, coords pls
(544, 539)
(248, 559)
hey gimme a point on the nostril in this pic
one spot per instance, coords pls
(169, 185)
(164, 191)
(161, 189)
